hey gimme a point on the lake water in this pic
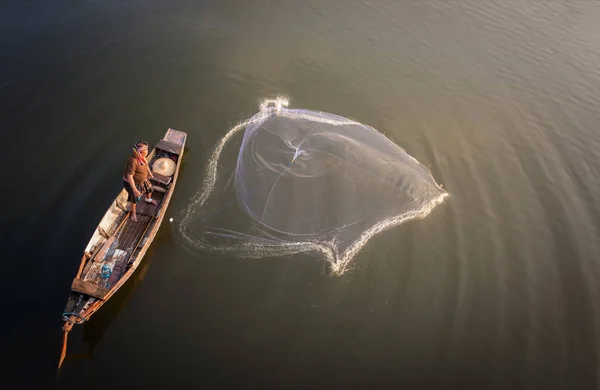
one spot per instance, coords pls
(498, 287)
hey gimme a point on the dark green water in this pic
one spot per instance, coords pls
(498, 287)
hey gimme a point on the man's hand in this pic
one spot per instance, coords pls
(136, 193)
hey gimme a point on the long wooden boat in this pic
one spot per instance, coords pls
(118, 244)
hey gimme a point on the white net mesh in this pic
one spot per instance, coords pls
(307, 181)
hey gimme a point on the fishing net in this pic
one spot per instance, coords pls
(306, 181)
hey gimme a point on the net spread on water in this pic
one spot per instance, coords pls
(306, 181)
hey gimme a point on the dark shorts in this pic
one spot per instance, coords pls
(144, 188)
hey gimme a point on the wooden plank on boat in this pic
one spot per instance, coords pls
(169, 147)
(104, 248)
(88, 288)
(121, 206)
(175, 136)
(103, 232)
(162, 179)
(145, 208)
(84, 259)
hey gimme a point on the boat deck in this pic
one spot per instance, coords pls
(122, 250)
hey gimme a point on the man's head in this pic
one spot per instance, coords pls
(142, 147)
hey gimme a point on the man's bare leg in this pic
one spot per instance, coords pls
(133, 215)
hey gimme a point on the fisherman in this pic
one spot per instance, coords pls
(135, 178)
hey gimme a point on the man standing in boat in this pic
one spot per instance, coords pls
(135, 178)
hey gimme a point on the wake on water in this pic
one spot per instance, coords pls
(305, 181)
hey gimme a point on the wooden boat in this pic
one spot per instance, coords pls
(118, 244)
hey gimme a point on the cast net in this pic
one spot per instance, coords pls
(306, 181)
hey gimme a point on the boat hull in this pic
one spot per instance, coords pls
(118, 244)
